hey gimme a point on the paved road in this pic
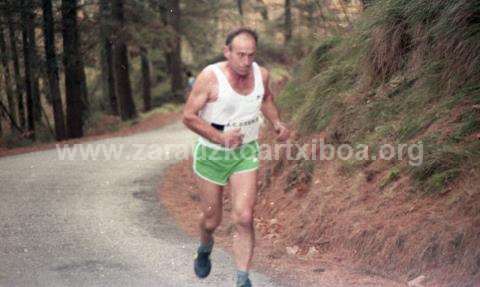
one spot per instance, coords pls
(87, 222)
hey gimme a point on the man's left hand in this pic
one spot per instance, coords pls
(283, 133)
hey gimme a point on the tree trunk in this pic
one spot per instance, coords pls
(81, 64)
(288, 21)
(7, 78)
(1, 129)
(108, 80)
(122, 76)
(8, 116)
(163, 8)
(146, 84)
(27, 20)
(176, 60)
(16, 66)
(83, 81)
(52, 70)
(71, 57)
(34, 67)
(240, 7)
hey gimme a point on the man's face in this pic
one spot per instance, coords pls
(241, 53)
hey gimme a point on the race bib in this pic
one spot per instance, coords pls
(249, 127)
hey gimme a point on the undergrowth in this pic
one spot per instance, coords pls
(408, 69)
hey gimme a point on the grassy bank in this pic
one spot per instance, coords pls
(408, 73)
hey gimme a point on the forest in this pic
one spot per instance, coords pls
(66, 64)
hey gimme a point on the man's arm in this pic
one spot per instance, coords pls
(198, 98)
(270, 110)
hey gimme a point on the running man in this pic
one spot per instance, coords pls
(224, 109)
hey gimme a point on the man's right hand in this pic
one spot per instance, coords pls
(232, 138)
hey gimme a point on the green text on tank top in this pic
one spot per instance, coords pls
(234, 110)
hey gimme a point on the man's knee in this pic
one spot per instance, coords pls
(211, 221)
(243, 218)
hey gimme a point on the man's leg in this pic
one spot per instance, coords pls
(211, 216)
(211, 204)
(244, 189)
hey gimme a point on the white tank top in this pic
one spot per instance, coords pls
(233, 110)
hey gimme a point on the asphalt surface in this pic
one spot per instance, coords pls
(88, 220)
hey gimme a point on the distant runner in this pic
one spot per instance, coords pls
(190, 82)
(190, 79)
(224, 109)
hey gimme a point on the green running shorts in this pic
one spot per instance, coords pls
(218, 165)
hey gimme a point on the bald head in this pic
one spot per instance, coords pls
(243, 41)
(240, 49)
(241, 31)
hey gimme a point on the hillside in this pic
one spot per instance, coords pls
(408, 74)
